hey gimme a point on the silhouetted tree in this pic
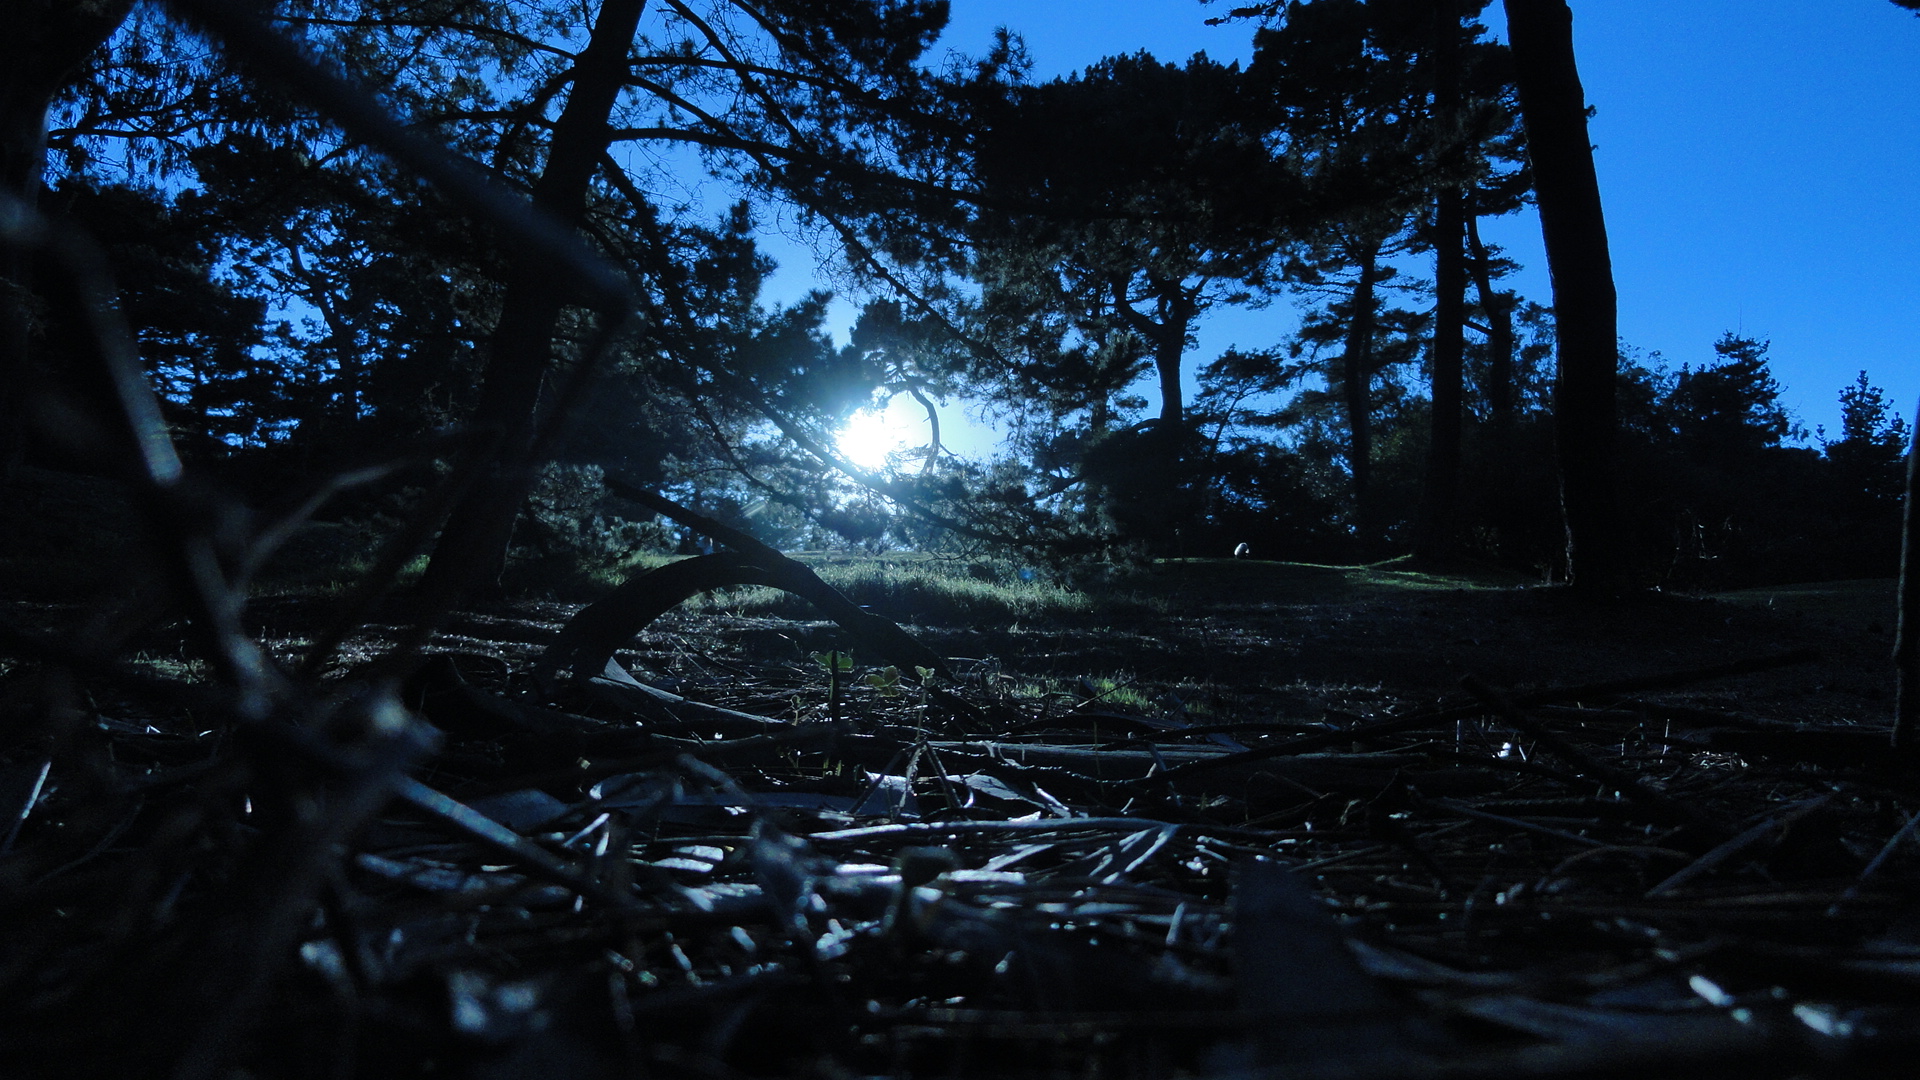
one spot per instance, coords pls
(1868, 477)
(1356, 341)
(1414, 91)
(1731, 408)
(1349, 83)
(200, 337)
(1125, 202)
(1439, 498)
(1868, 456)
(1554, 110)
(45, 43)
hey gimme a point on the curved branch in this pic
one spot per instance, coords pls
(590, 638)
(933, 422)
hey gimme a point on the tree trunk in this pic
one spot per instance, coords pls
(1500, 345)
(1553, 108)
(1168, 336)
(1168, 352)
(1440, 493)
(1356, 378)
(473, 546)
(1503, 506)
(1906, 635)
(46, 42)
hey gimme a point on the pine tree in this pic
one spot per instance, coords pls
(1731, 408)
(1869, 457)
(1124, 202)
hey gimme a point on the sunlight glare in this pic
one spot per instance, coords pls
(873, 438)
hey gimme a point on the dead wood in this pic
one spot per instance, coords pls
(212, 866)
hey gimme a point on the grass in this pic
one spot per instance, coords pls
(913, 587)
(908, 586)
(1866, 603)
(929, 588)
(177, 667)
(1174, 584)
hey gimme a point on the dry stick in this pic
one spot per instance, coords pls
(1738, 844)
(1906, 639)
(1462, 810)
(1886, 851)
(1307, 743)
(26, 806)
(1623, 782)
(1036, 825)
(1176, 734)
(671, 750)
(498, 836)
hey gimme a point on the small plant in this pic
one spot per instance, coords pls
(887, 681)
(1112, 692)
(838, 664)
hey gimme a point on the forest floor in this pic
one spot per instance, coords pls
(1267, 641)
(1219, 818)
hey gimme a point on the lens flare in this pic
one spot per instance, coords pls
(876, 438)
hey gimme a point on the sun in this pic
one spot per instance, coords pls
(874, 438)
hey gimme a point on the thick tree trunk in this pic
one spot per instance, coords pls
(1553, 107)
(1441, 489)
(45, 43)
(1168, 336)
(1440, 492)
(473, 546)
(1356, 380)
(1167, 356)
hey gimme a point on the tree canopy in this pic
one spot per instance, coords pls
(315, 262)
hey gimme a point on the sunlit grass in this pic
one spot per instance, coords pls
(1115, 693)
(918, 587)
(929, 588)
(1403, 573)
(912, 588)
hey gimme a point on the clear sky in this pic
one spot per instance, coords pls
(1759, 165)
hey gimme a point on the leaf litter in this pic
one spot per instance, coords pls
(682, 864)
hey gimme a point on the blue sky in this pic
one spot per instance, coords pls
(1759, 164)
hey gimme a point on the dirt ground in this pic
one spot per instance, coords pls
(1231, 819)
(1262, 641)
(1277, 651)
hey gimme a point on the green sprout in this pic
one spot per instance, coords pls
(837, 664)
